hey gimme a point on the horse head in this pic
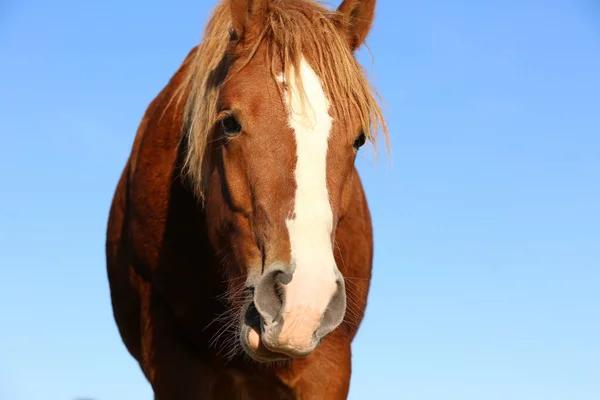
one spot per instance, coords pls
(273, 128)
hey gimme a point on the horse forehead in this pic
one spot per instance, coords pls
(306, 101)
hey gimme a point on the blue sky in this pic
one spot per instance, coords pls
(487, 222)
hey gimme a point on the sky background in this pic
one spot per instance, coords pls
(487, 218)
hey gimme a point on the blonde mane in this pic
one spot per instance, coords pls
(292, 29)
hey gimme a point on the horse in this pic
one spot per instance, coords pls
(239, 242)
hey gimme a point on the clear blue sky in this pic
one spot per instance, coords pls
(487, 264)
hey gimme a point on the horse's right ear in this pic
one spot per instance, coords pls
(247, 16)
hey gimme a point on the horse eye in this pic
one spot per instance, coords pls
(231, 126)
(360, 141)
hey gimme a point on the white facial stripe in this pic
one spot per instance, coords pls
(310, 227)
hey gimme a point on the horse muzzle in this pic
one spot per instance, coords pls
(293, 310)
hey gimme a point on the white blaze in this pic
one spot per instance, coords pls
(313, 283)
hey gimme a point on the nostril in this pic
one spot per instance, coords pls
(268, 297)
(335, 312)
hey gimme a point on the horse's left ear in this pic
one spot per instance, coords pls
(358, 17)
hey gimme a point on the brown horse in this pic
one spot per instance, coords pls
(239, 242)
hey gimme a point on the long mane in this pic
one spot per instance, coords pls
(293, 29)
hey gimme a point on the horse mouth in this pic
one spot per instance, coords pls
(252, 344)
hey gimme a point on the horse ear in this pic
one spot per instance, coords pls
(358, 17)
(247, 15)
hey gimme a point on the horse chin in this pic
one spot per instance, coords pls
(255, 349)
